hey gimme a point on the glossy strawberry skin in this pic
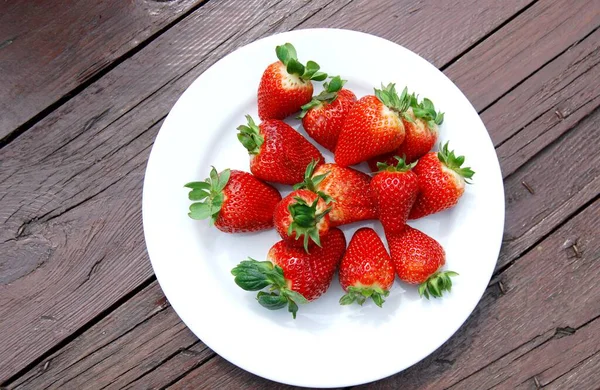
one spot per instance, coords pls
(439, 187)
(415, 255)
(324, 123)
(284, 154)
(370, 129)
(351, 191)
(283, 218)
(394, 194)
(419, 140)
(248, 205)
(366, 262)
(281, 94)
(310, 274)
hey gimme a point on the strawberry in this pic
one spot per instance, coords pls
(421, 124)
(302, 215)
(418, 259)
(278, 153)
(286, 85)
(373, 126)
(324, 116)
(394, 190)
(235, 201)
(366, 270)
(441, 182)
(294, 276)
(348, 189)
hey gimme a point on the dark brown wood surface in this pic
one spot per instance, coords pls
(79, 305)
(42, 61)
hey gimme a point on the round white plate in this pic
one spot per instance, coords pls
(327, 345)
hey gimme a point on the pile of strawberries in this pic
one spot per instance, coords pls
(393, 132)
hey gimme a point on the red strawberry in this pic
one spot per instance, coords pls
(278, 153)
(418, 259)
(395, 190)
(421, 124)
(366, 269)
(286, 85)
(302, 215)
(293, 275)
(373, 126)
(349, 190)
(441, 182)
(324, 116)
(235, 201)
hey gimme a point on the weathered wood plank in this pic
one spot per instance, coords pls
(556, 98)
(41, 60)
(520, 48)
(87, 157)
(453, 24)
(585, 375)
(139, 336)
(557, 192)
(174, 368)
(71, 283)
(218, 373)
(502, 341)
(563, 349)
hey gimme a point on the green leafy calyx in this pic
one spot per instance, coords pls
(253, 275)
(449, 159)
(287, 55)
(328, 95)
(305, 221)
(401, 165)
(436, 284)
(425, 110)
(388, 96)
(249, 136)
(208, 195)
(361, 294)
(311, 182)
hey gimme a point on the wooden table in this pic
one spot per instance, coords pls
(85, 87)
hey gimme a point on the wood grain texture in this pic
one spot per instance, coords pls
(556, 190)
(141, 335)
(42, 61)
(556, 97)
(425, 27)
(218, 373)
(520, 48)
(586, 375)
(70, 186)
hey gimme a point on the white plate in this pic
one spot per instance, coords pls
(327, 345)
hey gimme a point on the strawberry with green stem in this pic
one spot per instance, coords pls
(324, 115)
(373, 126)
(286, 85)
(394, 189)
(234, 201)
(418, 259)
(278, 153)
(421, 123)
(293, 276)
(442, 180)
(366, 270)
(347, 189)
(302, 219)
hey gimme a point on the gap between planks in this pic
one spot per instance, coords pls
(15, 133)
